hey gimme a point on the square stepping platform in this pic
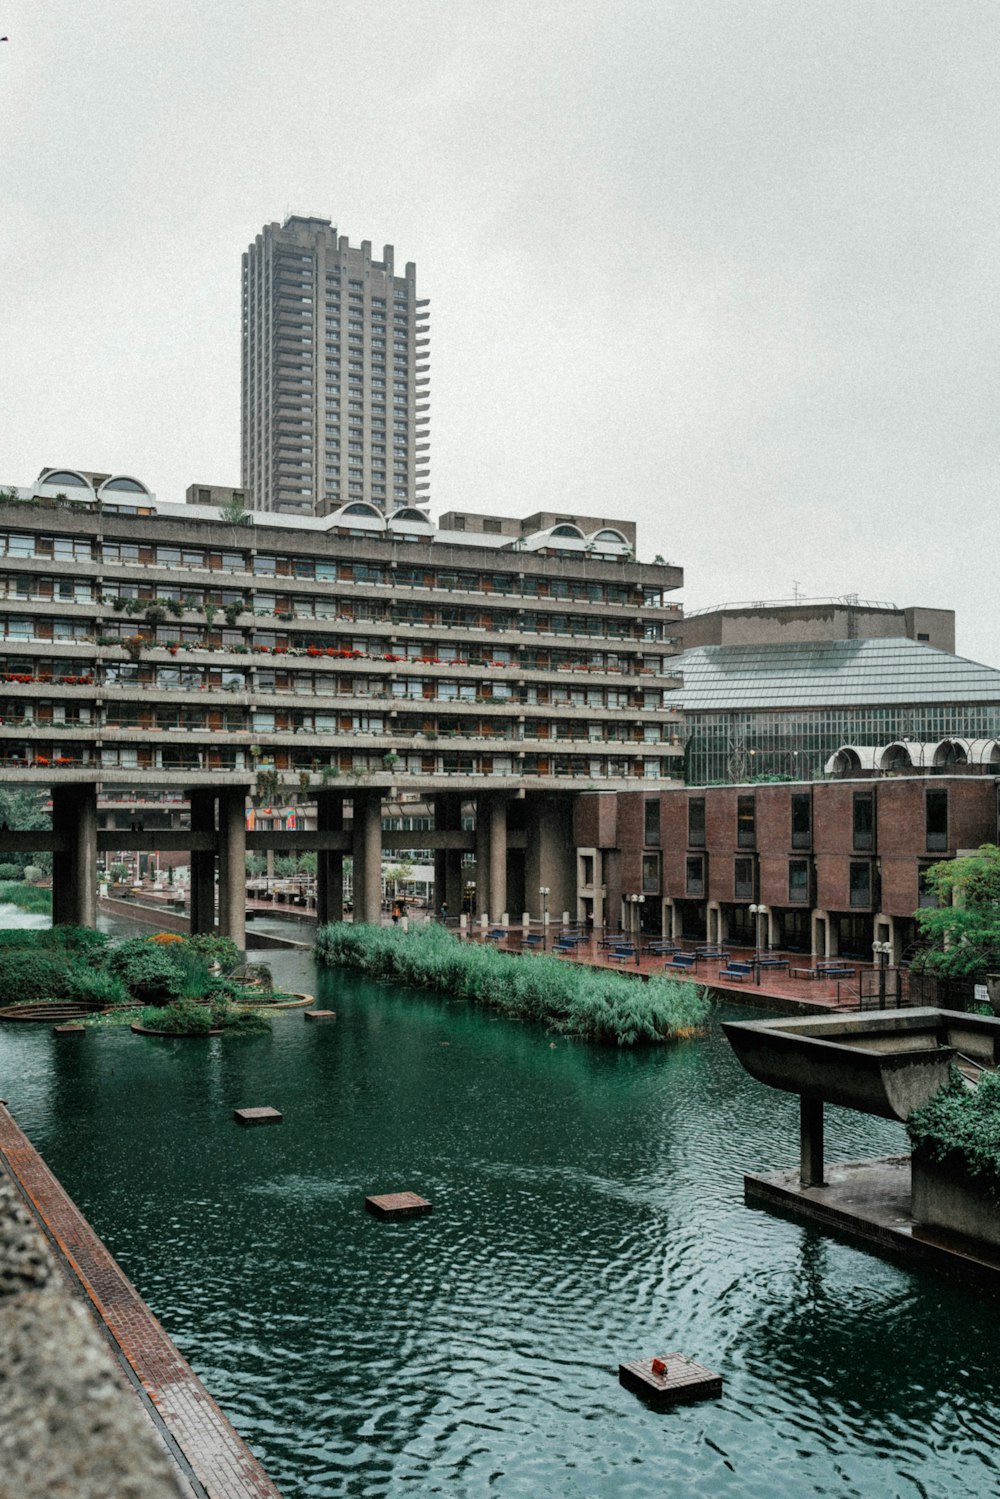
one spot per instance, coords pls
(70, 1029)
(257, 1116)
(679, 1379)
(398, 1205)
(320, 1014)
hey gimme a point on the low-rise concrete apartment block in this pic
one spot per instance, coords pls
(358, 659)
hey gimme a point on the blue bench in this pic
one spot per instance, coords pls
(680, 964)
(533, 941)
(834, 971)
(622, 955)
(496, 935)
(735, 975)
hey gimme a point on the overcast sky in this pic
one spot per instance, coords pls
(730, 269)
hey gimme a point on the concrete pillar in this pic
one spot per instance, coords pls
(810, 1141)
(771, 931)
(491, 855)
(203, 864)
(550, 855)
(329, 862)
(233, 864)
(448, 862)
(74, 872)
(367, 844)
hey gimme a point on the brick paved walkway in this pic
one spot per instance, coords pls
(220, 1460)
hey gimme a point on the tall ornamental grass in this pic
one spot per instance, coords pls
(567, 997)
(26, 897)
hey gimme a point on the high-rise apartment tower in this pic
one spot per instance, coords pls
(336, 384)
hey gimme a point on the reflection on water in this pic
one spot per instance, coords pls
(587, 1208)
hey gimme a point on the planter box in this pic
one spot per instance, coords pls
(946, 1195)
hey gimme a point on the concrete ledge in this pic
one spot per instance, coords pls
(869, 1202)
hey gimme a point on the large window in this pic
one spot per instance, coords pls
(651, 829)
(650, 874)
(743, 879)
(696, 822)
(746, 826)
(801, 821)
(695, 874)
(798, 881)
(864, 821)
(861, 886)
(937, 821)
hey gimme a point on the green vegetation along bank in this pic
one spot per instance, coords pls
(567, 997)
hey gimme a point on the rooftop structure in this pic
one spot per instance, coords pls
(786, 709)
(336, 384)
(797, 621)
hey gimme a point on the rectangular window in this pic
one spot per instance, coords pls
(861, 886)
(651, 830)
(801, 822)
(864, 821)
(937, 821)
(746, 822)
(650, 873)
(696, 820)
(926, 896)
(743, 879)
(695, 874)
(798, 881)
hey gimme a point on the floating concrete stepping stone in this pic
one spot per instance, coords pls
(669, 1380)
(398, 1205)
(320, 1014)
(257, 1116)
(68, 1030)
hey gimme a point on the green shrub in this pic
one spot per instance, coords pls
(963, 1122)
(239, 1022)
(152, 974)
(178, 1019)
(33, 973)
(75, 939)
(27, 897)
(95, 986)
(33, 873)
(595, 1004)
(10, 871)
(213, 949)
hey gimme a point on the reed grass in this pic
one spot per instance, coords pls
(567, 997)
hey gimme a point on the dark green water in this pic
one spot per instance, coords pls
(587, 1208)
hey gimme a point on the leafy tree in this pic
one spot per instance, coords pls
(963, 932)
(22, 811)
(235, 513)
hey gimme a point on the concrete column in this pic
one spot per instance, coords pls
(203, 864)
(448, 862)
(329, 862)
(74, 872)
(367, 841)
(491, 856)
(810, 1141)
(550, 855)
(233, 864)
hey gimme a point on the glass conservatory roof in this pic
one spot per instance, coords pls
(832, 673)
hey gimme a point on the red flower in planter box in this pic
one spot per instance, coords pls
(41, 760)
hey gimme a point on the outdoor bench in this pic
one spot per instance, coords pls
(803, 973)
(737, 975)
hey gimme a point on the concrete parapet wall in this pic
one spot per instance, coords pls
(69, 1427)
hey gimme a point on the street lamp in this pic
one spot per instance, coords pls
(881, 951)
(543, 891)
(756, 912)
(634, 902)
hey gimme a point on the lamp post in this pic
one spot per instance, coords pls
(543, 891)
(635, 902)
(470, 902)
(756, 912)
(881, 951)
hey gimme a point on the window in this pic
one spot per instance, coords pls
(937, 821)
(798, 881)
(801, 822)
(696, 822)
(927, 895)
(861, 885)
(746, 825)
(743, 879)
(650, 871)
(695, 874)
(864, 821)
(651, 830)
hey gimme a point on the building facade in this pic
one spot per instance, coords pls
(335, 374)
(354, 661)
(830, 866)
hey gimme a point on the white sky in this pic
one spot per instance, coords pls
(730, 269)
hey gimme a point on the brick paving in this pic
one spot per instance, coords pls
(776, 990)
(220, 1460)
